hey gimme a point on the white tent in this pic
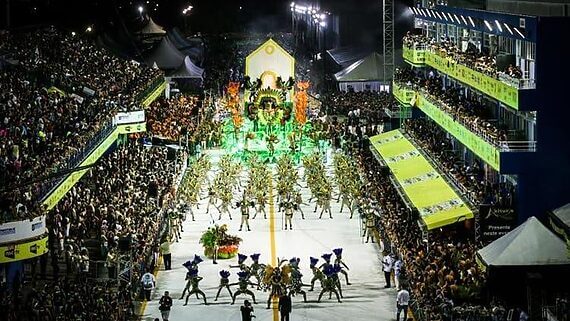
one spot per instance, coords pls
(151, 28)
(530, 244)
(188, 70)
(365, 74)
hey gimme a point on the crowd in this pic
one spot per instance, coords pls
(365, 105)
(120, 199)
(440, 273)
(43, 131)
(68, 300)
(466, 110)
(184, 117)
(472, 57)
(471, 177)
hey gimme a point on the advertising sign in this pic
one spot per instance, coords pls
(22, 230)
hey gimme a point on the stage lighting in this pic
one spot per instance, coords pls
(292, 4)
(519, 33)
(499, 25)
(140, 9)
(463, 18)
(323, 24)
(471, 21)
(323, 16)
(488, 25)
(508, 28)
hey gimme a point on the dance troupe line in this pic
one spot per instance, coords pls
(286, 276)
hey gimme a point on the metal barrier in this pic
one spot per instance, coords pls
(74, 160)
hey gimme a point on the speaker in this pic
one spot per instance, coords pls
(415, 214)
(124, 244)
(171, 154)
(503, 62)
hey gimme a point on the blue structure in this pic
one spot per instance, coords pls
(534, 160)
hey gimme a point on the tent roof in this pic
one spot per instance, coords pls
(563, 214)
(151, 28)
(346, 56)
(165, 55)
(530, 244)
(368, 68)
(188, 70)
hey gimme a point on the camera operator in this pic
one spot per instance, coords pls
(246, 311)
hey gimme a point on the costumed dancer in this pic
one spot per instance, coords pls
(195, 289)
(330, 283)
(244, 205)
(224, 283)
(276, 279)
(212, 197)
(190, 265)
(298, 203)
(241, 265)
(288, 213)
(325, 201)
(243, 283)
(261, 202)
(338, 261)
(370, 226)
(317, 273)
(256, 269)
(225, 206)
(296, 279)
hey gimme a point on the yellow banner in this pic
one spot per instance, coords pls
(23, 251)
(154, 94)
(495, 88)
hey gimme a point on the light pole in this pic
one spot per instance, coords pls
(186, 12)
(140, 9)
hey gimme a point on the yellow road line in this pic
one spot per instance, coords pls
(155, 273)
(272, 241)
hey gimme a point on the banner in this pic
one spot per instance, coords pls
(129, 117)
(495, 88)
(487, 152)
(22, 230)
(495, 221)
(413, 56)
(131, 128)
(23, 251)
(154, 94)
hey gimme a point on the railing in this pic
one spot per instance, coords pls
(459, 58)
(77, 158)
(414, 53)
(518, 146)
(149, 89)
(520, 83)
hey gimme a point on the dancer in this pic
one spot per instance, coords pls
(298, 203)
(288, 214)
(224, 283)
(339, 262)
(261, 199)
(190, 266)
(317, 273)
(242, 284)
(244, 205)
(329, 284)
(194, 281)
(276, 279)
(296, 279)
(370, 226)
(256, 269)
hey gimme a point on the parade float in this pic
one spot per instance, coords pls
(216, 239)
(268, 113)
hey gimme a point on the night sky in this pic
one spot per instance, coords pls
(360, 23)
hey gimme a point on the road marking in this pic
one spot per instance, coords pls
(272, 241)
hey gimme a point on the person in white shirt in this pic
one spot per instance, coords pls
(387, 265)
(148, 283)
(402, 301)
(398, 263)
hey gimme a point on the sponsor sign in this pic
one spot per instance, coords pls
(129, 117)
(495, 222)
(23, 251)
(22, 230)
